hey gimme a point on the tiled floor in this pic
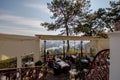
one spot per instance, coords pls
(61, 76)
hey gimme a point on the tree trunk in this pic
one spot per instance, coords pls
(67, 32)
(68, 46)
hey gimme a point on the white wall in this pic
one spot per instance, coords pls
(114, 56)
(17, 46)
(97, 45)
(103, 44)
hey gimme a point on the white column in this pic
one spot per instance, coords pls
(19, 62)
(37, 50)
(114, 55)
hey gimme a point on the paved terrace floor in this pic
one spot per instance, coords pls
(62, 76)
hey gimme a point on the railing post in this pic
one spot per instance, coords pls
(44, 51)
(20, 74)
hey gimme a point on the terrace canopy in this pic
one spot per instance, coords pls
(63, 38)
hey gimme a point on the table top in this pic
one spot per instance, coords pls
(73, 72)
(63, 64)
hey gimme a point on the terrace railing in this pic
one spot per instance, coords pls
(30, 73)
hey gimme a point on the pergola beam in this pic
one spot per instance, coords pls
(58, 37)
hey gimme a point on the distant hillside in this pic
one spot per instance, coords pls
(59, 44)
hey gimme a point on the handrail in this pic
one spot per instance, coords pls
(20, 73)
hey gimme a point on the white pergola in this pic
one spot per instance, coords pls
(75, 38)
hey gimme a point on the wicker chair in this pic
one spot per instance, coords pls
(99, 67)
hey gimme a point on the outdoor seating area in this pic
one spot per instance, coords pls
(98, 70)
(69, 66)
(59, 40)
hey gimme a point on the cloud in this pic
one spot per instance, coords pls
(21, 25)
(12, 24)
(21, 20)
(24, 31)
(3, 11)
(41, 7)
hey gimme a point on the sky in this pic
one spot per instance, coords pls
(23, 17)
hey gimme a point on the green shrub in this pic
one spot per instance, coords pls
(8, 63)
(38, 63)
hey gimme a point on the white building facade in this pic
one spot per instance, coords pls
(18, 46)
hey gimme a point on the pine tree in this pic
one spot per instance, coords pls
(67, 14)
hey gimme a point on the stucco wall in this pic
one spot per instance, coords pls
(17, 46)
(103, 44)
(97, 45)
(114, 55)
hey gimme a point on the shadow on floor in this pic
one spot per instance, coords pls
(61, 76)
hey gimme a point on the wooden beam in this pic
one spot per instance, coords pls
(58, 37)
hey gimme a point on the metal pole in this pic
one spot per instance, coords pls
(64, 48)
(44, 51)
(74, 46)
(81, 48)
